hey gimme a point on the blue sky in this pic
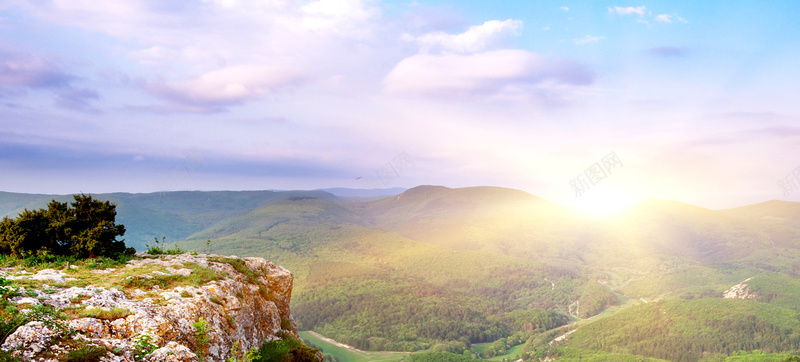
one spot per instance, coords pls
(697, 100)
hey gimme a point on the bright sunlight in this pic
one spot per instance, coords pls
(603, 201)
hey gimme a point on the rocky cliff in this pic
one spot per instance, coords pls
(155, 301)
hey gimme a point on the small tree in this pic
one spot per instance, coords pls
(91, 229)
(85, 228)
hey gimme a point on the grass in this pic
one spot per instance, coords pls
(110, 315)
(133, 279)
(251, 276)
(87, 353)
(160, 248)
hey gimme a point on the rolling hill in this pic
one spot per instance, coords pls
(435, 267)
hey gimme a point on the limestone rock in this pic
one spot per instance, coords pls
(237, 308)
(172, 352)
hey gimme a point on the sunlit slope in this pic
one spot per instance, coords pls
(320, 239)
(491, 219)
(516, 223)
(780, 219)
(693, 232)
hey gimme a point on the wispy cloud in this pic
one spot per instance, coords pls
(666, 18)
(476, 38)
(31, 71)
(629, 10)
(588, 39)
(564, 8)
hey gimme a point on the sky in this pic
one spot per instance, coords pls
(587, 104)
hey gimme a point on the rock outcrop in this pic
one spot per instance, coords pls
(740, 291)
(246, 302)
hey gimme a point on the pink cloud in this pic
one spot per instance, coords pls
(225, 87)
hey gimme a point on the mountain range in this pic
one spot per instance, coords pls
(440, 268)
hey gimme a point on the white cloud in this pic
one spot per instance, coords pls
(564, 8)
(640, 10)
(491, 72)
(476, 38)
(666, 18)
(588, 39)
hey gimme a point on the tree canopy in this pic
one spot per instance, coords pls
(84, 228)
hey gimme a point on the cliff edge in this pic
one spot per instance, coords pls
(157, 304)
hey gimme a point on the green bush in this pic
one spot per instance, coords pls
(142, 346)
(201, 332)
(287, 349)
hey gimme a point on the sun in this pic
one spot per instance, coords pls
(603, 202)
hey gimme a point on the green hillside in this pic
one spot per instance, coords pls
(685, 330)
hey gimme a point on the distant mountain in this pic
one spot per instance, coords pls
(363, 193)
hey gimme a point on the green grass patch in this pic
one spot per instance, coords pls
(135, 279)
(110, 315)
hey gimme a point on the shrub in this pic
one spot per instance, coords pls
(142, 346)
(6, 356)
(159, 248)
(201, 331)
(287, 349)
